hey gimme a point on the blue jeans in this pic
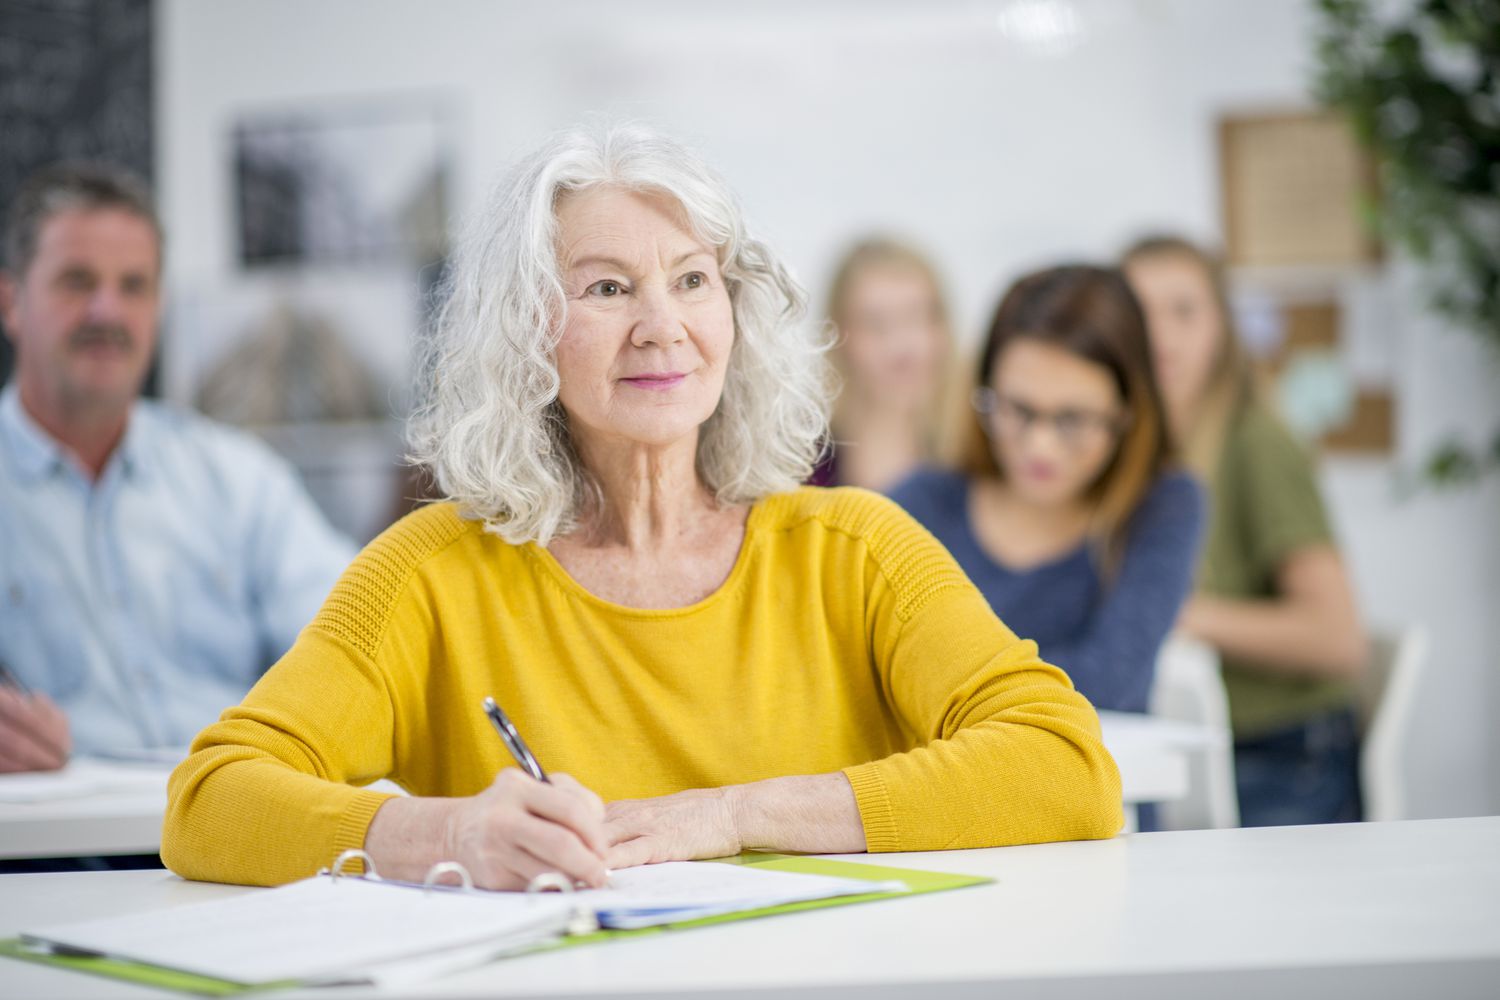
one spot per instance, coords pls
(1307, 773)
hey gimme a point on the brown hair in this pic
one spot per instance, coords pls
(66, 187)
(885, 251)
(1231, 382)
(1089, 312)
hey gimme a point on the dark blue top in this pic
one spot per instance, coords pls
(1105, 636)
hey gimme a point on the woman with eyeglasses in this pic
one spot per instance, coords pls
(1067, 509)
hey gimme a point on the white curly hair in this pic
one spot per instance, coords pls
(488, 424)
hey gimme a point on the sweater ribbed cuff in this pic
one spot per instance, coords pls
(354, 823)
(874, 808)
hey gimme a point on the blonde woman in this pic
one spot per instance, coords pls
(894, 347)
(620, 404)
(1273, 594)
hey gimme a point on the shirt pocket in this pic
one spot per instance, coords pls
(42, 640)
(215, 629)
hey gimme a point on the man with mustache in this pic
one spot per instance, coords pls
(152, 563)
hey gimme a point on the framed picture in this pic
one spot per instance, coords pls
(1294, 187)
(345, 185)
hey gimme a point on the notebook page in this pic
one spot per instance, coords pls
(708, 888)
(315, 929)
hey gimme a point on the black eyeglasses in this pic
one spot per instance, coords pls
(1075, 428)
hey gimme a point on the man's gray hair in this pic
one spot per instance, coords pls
(489, 425)
(65, 187)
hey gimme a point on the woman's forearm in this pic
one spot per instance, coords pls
(407, 836)
(1280, 637)
(814, 814)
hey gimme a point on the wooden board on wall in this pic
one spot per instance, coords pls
(1292, 187)
(1313, 327)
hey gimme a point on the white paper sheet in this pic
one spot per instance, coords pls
(685, 890)
(81, 778)
(319, 928)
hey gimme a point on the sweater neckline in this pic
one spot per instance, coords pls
(554, 569)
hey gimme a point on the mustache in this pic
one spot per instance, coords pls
(100, 335)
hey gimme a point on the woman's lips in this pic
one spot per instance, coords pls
(656, 382)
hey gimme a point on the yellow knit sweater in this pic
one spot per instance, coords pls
(845, 637)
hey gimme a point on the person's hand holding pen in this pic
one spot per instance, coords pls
(34, 732)
(526, 823)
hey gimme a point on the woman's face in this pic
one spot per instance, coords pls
(1185, 324)
(894, 345)
(1054, 420)
(648, 326)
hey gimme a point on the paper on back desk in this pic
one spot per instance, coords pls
(80, 779)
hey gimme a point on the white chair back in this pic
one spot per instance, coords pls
(1387, 701)
(1189, 688)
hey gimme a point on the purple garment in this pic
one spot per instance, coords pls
(826, 472)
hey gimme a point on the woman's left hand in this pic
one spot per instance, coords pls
(686, 826)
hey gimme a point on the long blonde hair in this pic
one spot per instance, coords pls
(885, 251)
(1231, 382)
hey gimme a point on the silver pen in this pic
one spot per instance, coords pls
(513, 742)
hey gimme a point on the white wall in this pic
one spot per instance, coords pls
(833, 118)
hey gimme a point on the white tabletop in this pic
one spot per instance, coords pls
(92, 807)
(117, 808)
(1361, 911)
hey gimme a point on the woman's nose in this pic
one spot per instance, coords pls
(658, 320)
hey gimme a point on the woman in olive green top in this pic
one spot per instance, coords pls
(1273, 595)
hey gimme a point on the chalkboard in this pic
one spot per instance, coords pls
(75, 84)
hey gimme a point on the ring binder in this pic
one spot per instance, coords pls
(385, 931)
(583, 919)
(549, 882)
(442, 868)
(355, 854)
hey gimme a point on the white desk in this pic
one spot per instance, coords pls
(1361, 911)
(113, 808)
(1151, 753)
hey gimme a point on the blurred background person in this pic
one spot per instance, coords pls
(1273, 595)
(153, 563)
(894, 349)
(1066, 509)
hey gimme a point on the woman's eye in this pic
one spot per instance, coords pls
(605, 288)
(696, 279)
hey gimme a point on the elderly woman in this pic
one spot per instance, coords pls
(621, 403)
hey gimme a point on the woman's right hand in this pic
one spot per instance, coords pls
(519, 828)
(514, 830)
(33, 733)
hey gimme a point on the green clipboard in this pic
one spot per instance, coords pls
(918, 882)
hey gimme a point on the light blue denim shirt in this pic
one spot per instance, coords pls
(147, 602)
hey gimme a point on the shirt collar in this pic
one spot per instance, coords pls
(37, 455)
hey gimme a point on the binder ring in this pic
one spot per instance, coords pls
(582, 920)
(442, 868)
(549, 882)
(354, 853)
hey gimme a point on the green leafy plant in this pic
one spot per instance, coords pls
(1422, 90)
